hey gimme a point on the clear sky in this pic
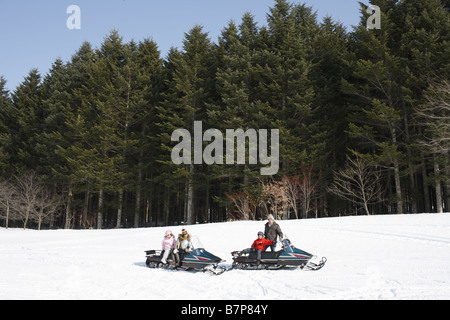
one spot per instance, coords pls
(34, 33)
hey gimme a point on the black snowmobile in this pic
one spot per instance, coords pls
(288, 257)
(193, 257)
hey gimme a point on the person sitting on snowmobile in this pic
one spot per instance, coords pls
(260, 245)
(183, 245)
(272, 231)
(183, 241)
(168, 246)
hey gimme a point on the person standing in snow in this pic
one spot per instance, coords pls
(272, 231)
(168, 245)
(260, 245)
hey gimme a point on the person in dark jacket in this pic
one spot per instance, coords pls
(272, 231)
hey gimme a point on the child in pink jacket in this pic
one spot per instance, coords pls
(168, 244)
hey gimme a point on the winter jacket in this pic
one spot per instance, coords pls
(181, 238)
(272, 231)
(168, 243)
(261, 244)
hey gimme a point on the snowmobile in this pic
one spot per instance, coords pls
(289, 256)
(193, 257)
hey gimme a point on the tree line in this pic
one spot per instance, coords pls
(363, 117)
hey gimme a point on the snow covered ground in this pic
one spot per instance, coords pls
(377, 257)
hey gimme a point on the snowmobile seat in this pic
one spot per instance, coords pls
(265, 255)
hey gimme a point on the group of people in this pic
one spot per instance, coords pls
(266, 239)
(170, 245)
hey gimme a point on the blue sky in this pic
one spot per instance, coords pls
(34, 33)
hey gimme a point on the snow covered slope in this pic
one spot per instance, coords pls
(378, 257)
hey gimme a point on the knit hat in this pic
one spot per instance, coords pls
(270, 216)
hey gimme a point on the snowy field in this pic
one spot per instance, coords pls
(379, 257)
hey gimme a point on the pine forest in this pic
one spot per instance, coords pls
(363, 118)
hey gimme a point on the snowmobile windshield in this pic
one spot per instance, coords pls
(196, 243)
(287, 245)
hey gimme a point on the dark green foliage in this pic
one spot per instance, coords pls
(97, 129)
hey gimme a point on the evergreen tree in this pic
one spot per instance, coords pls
(240, 107)
(108, 92)
(6, 122)
(188, 92)
(423, 42)
(28, 124)
(66, 118)
(329, 47)
(286, 84)
(146, 68)
(378, 84)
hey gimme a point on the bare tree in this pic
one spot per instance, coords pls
(435, 116)
(308, 183)
(240, 200)
(33, 201)
(26, 196)
(358, 182)
(275, 195)
(292, 188)
(7, 194)
(47, 206)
